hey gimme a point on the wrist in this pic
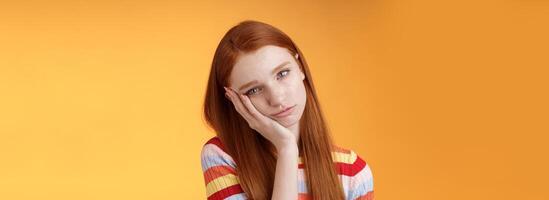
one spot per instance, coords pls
(287, 147)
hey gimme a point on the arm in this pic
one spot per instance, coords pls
(362, 181)
(220, 175)
(285, 183)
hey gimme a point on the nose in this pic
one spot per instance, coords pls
(277, 96)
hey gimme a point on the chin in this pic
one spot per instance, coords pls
(291, 120)
(288, 122)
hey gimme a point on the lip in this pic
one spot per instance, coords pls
(285, 113)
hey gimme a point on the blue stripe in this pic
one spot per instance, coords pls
(214, 160)
(361, 189)
(301, 186)
(239, 196)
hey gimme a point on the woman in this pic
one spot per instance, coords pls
(272, 140)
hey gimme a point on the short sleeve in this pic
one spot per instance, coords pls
(362, 183)
(220, 176)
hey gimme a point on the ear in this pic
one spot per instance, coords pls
(300, 70)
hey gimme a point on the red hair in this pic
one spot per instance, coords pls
(254, 155)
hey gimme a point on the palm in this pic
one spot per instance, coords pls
(269, 128)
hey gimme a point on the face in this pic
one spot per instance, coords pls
(273, 80)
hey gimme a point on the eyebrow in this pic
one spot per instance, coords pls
(274, 71)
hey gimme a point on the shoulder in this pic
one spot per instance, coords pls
(213, 154)
(215, 141)
(348, 161)
(355, 173)
(220, 174)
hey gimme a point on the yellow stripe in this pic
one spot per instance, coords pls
(220, 183)
(348, 158)
(353, 157)
(344, 157)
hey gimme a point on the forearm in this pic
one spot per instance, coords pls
(285, 183)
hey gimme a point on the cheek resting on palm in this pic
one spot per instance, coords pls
(270, 129)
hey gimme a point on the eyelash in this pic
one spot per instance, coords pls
(249, 92)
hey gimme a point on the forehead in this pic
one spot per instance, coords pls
(258, 64)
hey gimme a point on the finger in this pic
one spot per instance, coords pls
(241, 97)
(238, 105)
(251, 107)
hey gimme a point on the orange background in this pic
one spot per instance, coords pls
(444, 100)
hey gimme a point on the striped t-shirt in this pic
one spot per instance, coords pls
(222, 182)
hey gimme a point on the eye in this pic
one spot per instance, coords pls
(283, 73)
(280, 74)
(252, 91)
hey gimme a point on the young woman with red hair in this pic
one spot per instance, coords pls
(272, 141)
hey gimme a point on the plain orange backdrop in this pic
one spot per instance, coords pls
(444, 99)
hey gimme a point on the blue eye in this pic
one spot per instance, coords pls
(284, 72)
(252, 91)
(280, 74)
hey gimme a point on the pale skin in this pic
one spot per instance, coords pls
(276, 93)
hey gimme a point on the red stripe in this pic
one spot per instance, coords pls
(227, 192)
(351, 169)
(342, 168)
(217, 171)
(345, 168)
(303, 196)
(216, 141)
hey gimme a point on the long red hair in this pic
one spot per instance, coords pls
(254, 155)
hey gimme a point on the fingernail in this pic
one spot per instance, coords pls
(225, 88)
(227, 96)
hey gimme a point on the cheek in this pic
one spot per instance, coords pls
(295, 88)
(260, 104)
(297, 91)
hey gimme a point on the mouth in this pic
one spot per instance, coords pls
(284, 112)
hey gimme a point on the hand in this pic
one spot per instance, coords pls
(279, 135)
